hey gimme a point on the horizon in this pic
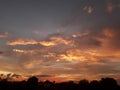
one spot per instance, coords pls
(12, 77)
(60, 39)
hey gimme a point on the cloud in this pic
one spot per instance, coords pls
(91, 53)
(110, 38)
(111, 7)
(20, 41)
(36, 32)
(16, 75)
(4, 35)
(43, 76)
(55, 41)
(25, 51)
(78, 55)
(86, 39)
(32, 64)
(89, 9)
(75, 35)
(1, 52)
(7, 65)
(88, 47)
(47, 43)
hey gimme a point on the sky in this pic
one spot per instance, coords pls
(60, 39)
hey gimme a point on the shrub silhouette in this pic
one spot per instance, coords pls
(94, 85)
(33, 84)
(108, 83)
(83, 84)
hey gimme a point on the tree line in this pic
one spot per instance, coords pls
(33, 84)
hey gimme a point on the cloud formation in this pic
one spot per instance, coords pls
(20, 41)
(53, 41)
(78, 55)
(88, 48)
(89, 9)
(4, 35)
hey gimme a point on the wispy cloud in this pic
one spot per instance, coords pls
(55, 41)
(20, 41)
(4, 35)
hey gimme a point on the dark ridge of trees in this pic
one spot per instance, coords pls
(33, 84)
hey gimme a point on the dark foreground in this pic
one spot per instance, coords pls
(33, 84)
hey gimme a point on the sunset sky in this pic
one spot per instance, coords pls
(60, 39)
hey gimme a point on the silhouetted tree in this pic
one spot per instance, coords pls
(94, 85)
(108, 83)
(32, 83)
(83, 84)
(48, 85)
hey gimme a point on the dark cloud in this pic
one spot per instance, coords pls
(87, 42)
(16, 76)
(1, 52)
(43, 76)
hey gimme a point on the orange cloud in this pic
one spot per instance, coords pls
(47, 43)
(108, 32)
(32, 64)
(80, 34)
(72, 55)
(25, 51)
(89, 54)
(22, 42)
(4, 35)
(52, 42)
(55, 41)
(77, 55)
(109, 39)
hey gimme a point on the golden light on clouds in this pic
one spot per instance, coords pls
(51, 42)
(20, 41)
(79, 38)
(80, 34)
(54, 41)
(25, 51)
(73, 56)
(45, 43)
(60, 40)
(33, 64)
(17, 50)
